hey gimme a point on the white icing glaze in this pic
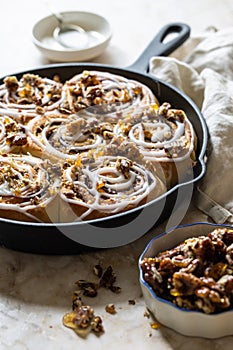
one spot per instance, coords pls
(2, 131)
(5, 190)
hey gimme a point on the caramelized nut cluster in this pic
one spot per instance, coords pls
(82, 319)
(196, 274)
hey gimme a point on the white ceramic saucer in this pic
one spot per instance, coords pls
(98, 31)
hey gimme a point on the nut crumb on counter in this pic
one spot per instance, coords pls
(107, 279)
(98, 270)
(82, 318)
(155, 325)
(110, 308)
(147, 314)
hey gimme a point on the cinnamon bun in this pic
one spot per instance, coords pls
(163, 135)
(29, 96)
(107, 186)
(105, 95)
(61, 139)
(28, 189)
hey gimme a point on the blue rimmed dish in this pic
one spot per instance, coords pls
(185, 321)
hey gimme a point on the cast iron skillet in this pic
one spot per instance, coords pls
(119, 229)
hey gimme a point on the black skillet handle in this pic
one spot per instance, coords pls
(158, 46)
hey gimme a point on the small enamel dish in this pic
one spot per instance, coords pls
(72, 46)
(184, 321)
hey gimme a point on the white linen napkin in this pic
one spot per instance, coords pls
(203, 69)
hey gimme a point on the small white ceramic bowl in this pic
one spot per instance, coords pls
(96, 26)
(186, 322)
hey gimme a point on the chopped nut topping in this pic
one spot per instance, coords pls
(122, 148)
(17, 140)
(11, 83)
(197, 274)
(100, 186)
(124, 165)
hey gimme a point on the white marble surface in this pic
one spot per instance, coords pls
(35, 291)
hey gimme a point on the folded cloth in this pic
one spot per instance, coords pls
(203, 69)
